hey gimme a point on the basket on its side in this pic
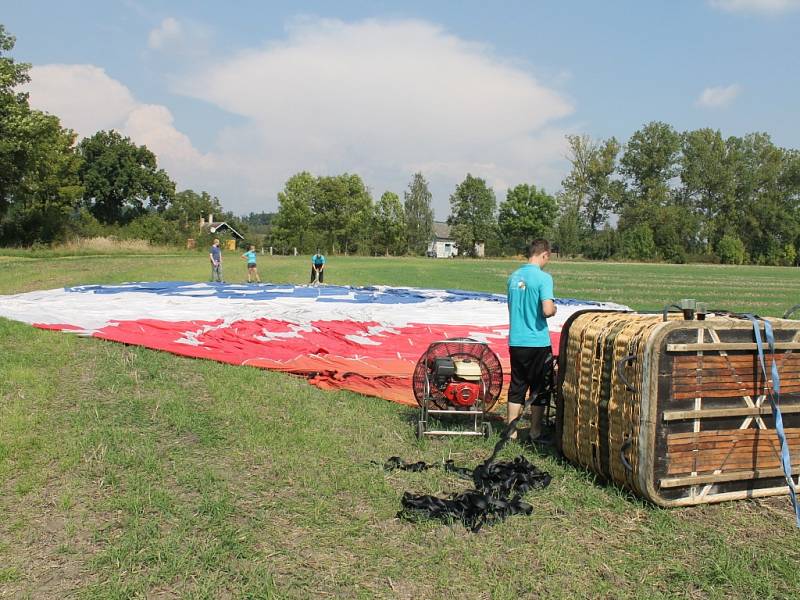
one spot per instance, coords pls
(676, 411)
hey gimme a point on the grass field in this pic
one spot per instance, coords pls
(126, 472)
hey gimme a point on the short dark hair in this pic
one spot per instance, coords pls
(537, 247)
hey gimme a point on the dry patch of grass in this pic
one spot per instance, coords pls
(104, 245)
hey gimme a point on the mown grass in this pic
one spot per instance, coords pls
(768, 291)
(131, 473)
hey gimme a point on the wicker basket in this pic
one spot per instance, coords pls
(676, 410)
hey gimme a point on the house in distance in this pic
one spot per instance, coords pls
(443, 245)
(221, 229)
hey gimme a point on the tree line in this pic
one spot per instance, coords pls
(336, 213)
(664, 195)
(675, 196)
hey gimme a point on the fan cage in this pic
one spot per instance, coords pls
(459, 349)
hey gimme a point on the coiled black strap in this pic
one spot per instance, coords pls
(499, 487)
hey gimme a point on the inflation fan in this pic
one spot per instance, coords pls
(460, 377)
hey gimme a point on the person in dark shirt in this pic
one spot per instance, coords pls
(215, 256)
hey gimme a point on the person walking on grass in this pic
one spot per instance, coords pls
(530, 304)
(215, 256)
(252, 270)
(317, 268)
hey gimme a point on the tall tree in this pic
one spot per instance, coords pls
(342, 209)
(39, 182)
(527, 213)
(419, 215)
(41, 202)
(472, 214)
(708, 182)
(651, 160)
(590, 182)
(570, 229)
(390, 224)
(121, 179)
(292, 223)
(766, 198)
(359, 213)
(13, 110)
(650, 163)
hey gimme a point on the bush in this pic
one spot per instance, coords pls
(30, 225)
(731, 250)
(637, 243)
(789, 258)
(674, 253)
(602, 245)
(153, 228)
(84, 224)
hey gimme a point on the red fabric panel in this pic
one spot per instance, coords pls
(381, 367)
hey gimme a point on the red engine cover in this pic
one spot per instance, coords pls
(462, 394)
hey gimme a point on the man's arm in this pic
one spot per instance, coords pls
(546, 291)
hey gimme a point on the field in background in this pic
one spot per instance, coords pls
(128, 472)
(768, 291)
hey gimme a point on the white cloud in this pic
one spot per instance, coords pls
(87, 100)
(168, 31)
(379, 98)
(382, 98)
(180, 39)
(756, 6)
(84, 97)
(718, 97)
(154, 123)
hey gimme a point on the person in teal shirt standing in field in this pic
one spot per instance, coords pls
(317, 268)
(530, 303)
(252, 269)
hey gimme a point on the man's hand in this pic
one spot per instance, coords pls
(549, 308)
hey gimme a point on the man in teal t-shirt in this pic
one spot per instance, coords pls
(530, 303)
(317, 268)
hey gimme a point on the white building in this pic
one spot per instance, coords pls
(444, 246)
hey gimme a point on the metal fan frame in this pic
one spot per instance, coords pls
(435, 404)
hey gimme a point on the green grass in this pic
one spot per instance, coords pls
(768, 291)
(127, 473)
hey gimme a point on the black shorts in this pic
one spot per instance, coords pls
(530, 368)
(251, 265)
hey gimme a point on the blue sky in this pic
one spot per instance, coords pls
(234, 99)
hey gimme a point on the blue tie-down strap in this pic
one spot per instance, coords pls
(774, 395)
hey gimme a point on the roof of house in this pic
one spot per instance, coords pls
(222, 225)
(441, 230)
